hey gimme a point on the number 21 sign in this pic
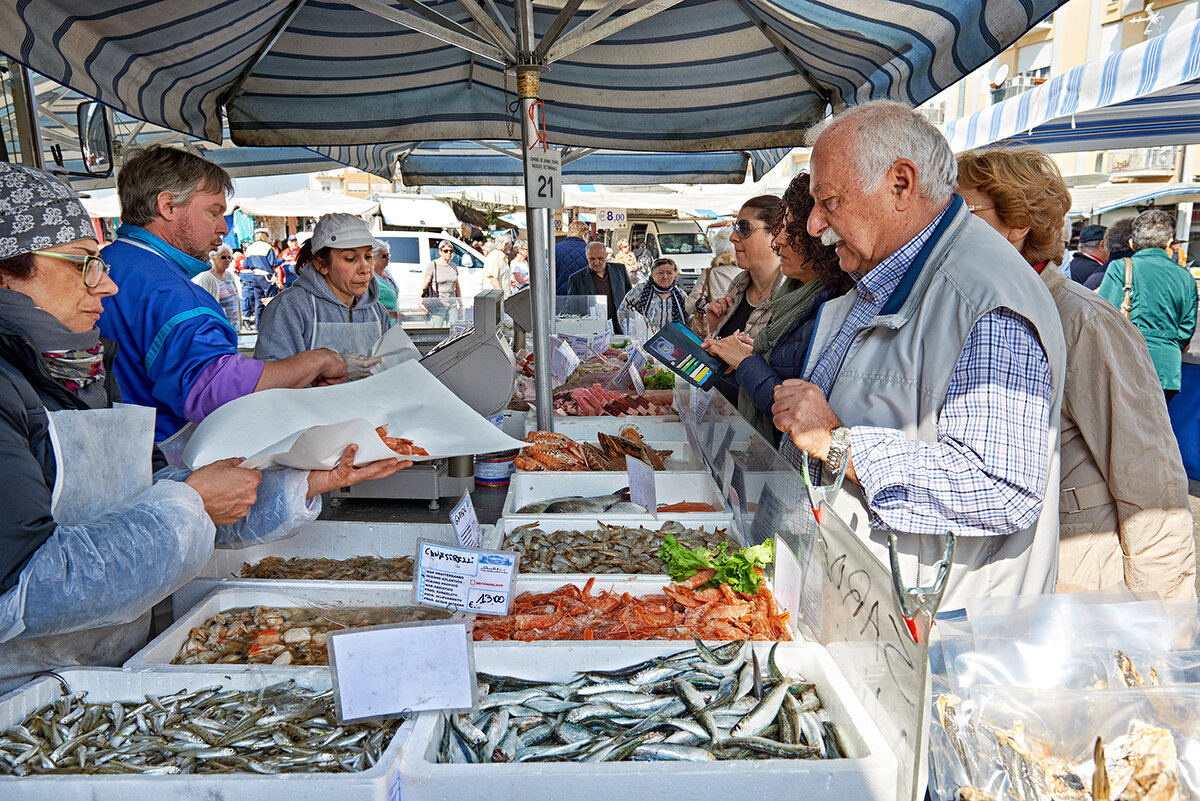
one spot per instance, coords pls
(543, 179)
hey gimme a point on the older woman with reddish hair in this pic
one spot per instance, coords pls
(1124, 514)
(776, 352)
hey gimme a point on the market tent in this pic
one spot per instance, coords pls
(487, 163)
(1143, 96)
(416, 211)
(663, 75)
(305, 203)
(1093, 201)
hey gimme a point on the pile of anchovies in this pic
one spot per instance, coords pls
(278, 729)
(698, 705)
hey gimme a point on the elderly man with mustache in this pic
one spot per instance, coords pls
(936, 383)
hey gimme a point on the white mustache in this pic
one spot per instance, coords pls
(829, 237)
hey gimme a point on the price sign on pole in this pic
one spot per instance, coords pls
(543, 179)
(610, 219)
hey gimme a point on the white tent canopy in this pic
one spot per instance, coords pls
(305, 203)
(416, 211)
(1093, 201)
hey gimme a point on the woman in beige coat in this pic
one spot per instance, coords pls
(1123, 510)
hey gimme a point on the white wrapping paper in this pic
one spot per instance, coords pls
(309, 428)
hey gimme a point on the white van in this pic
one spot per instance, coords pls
(683, 241)
(413, 250)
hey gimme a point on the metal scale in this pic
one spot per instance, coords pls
(479, 367)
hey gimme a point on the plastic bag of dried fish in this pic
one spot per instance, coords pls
(604, 549)
(1139, 744)
(277, 729)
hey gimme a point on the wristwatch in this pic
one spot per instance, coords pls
(839, 450)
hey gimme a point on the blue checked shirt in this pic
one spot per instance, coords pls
(986, 474)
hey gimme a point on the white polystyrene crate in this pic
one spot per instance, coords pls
(327, 539)
(379, 783)
(602, 422)
(869, 773)
(526, 488)
(582, 523)
(307, 594)
(634, 584)
(681, 460)
(659, 428)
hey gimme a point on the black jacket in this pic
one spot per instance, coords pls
(27, 391)
(580, 283)
(1082, 267)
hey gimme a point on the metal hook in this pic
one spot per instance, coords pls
(66, 688)
(925, 600)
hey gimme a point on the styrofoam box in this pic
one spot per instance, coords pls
(307, 594)
(600, 422)
(681, 460)
(659, 428)
(568, 523)
(379, 783)
(870, 772)
(526, 488)
(326, 539)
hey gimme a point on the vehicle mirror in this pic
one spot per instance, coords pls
(95, 138)
(467, 261)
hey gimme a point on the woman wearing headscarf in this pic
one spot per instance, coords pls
(89, 540)
(776, 352)
(659, 300)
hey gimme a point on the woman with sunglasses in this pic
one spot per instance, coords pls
(777, 351)
(89, 540)
(744, 308)
(441, 290)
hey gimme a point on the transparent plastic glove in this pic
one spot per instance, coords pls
(112, 568)
(357, 365)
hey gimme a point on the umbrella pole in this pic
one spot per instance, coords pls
(541, 283)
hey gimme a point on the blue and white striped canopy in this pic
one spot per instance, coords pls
(499, 163)
(1144, 96)
(648, 75)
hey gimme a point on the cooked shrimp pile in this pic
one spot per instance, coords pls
(404, 447)
(679, 613)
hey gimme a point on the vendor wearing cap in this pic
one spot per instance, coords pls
(177, 351)
(335, 301)
(1092, 254)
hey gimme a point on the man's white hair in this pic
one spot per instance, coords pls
(885, 131)
(501, 241)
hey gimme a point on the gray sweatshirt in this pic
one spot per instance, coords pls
(288, 321)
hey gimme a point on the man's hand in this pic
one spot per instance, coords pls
(715, 311)
(228, 491)
(800, 409)
(346, 474)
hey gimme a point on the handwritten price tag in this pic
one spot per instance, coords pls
(466, 579)
(466, 522)
(642, 490)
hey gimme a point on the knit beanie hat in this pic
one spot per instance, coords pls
(38, 211)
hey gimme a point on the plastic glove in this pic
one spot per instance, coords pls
(357, 365)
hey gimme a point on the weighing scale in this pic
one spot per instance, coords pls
(479, 367)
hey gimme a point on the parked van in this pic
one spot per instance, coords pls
(683, 241)
(413, 250)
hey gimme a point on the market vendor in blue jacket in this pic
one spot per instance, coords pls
(176, 350)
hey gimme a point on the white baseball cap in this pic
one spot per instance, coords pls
(339, 230)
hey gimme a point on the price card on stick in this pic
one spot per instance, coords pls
(563, 362)
(429, 665)
(642, 490)
(464, 579)
(543, 178)
(466, 522)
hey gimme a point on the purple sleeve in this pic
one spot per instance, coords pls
(223, 379)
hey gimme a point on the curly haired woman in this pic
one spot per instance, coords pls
(777, 351)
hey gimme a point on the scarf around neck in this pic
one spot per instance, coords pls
(786, 304)
(190, 265)
(674, 297)
(74, 360)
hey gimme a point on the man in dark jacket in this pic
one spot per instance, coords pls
(602, 278)
(1116, 244)
(569, 256)
(1092, 254)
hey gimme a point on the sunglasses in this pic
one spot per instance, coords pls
(744, 228)
(447, 250)
(91, 268)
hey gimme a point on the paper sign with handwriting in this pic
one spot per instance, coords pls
(466, 522)
(563, 362)
(428, 666)
(464, 579)
(641, 484)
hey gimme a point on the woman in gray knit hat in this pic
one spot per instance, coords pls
(89, 540)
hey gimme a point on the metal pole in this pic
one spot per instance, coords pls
(541, 283)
